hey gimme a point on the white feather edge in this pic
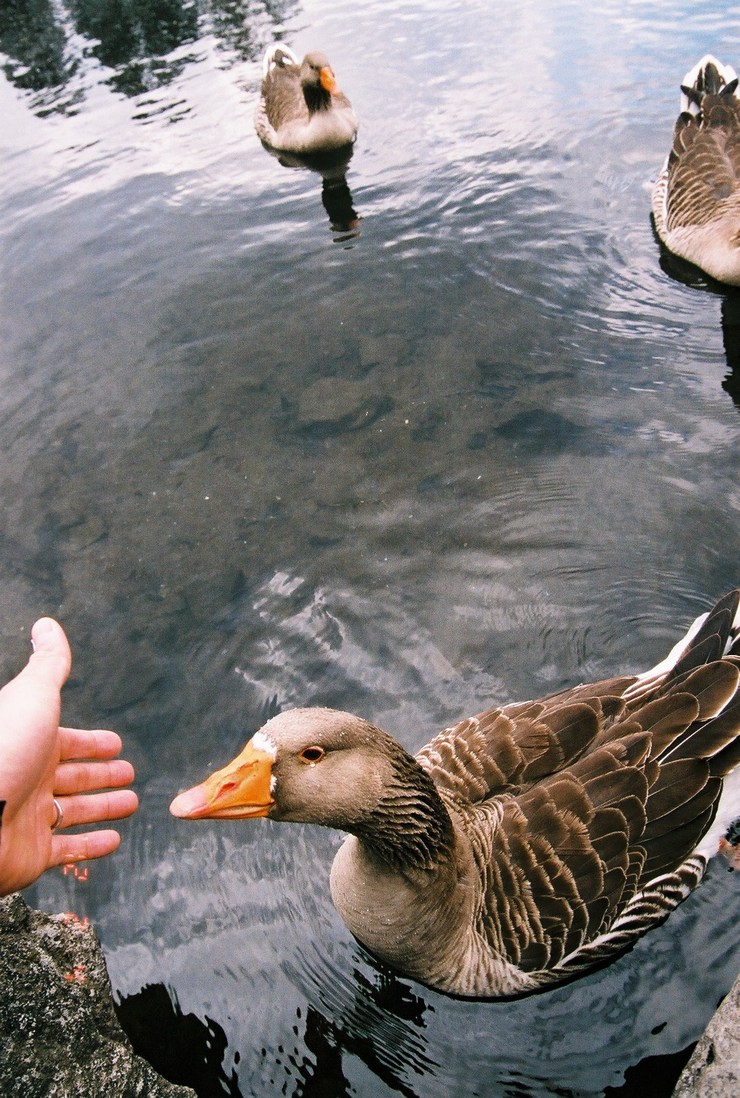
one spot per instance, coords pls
(676, 652)
(265, 743)
(726, 72)
(728, 810)
(269, 58)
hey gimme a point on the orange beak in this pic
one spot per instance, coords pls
(238, 792)
(328, 80)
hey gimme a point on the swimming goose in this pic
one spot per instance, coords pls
(527, 844)
(301, 109)
(696, 198)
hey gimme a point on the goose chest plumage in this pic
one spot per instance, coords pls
(302, 109)
(696, 198)
(527, 844)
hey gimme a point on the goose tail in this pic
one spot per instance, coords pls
(706, 661)
(712, 636)
(278, 54)
(708, 77)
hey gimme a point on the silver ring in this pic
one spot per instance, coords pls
(59, 817)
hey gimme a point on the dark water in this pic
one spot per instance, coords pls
(476, 448)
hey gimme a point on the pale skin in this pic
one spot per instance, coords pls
(41, 760)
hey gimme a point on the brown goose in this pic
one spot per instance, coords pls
(527, 844)
(301, 109)
(696, 198)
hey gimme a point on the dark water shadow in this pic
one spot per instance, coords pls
(731, 339)
(687, 274)
(655, 1075)
(181, 1047)
(336, 196)
(190, 1051)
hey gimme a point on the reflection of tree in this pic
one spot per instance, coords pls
(236, 23)
(35, 43)
(128, 29)
(187, 1050)
(133, 38)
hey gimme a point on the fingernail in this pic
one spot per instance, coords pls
(41, 630)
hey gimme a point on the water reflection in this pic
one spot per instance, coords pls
(180, 1046)
(126, 34)
(326, 1042)
(139, 44)
(731, 339)
(35, 42)
(685, 273)
(378, 1019)
(368, 1035)
(336, 196)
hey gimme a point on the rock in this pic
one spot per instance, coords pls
(714, 1068)
(59, 1034)
(333, 405)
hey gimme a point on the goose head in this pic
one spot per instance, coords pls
(306, 765)
(326, 767)
(317, 79)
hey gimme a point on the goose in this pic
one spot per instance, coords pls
(696, 198)
(301, 108)
(523, 846)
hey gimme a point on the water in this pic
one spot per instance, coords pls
(477, 447)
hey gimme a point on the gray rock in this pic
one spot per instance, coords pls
(334, 404)
(59, 1034)
(714, 1068)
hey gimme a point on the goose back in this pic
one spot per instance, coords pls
(696, 199)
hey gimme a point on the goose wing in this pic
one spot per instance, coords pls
(586, 824)
(703, 170)
(505, 749)
(282, 95)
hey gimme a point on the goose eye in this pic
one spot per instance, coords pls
(312, 754)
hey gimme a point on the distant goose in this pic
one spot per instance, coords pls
(696, 199)
(301, 109)
(523, 846)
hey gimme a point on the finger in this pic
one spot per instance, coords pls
(79, 848)
(99, 743)
(85, 777)
(94, 808)
(51, 660)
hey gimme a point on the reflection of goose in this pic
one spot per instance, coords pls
(525, 845)
(731, 339)
(696, 199)
(301, 109)
(336, 196)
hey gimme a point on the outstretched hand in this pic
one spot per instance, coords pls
(41, 762)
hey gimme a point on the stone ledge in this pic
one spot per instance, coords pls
(714, 1068)
(59, 1034)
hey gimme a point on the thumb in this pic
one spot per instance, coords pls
(51, 658)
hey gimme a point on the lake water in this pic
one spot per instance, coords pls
(440, 430)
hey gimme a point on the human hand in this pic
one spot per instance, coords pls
(41, 762)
